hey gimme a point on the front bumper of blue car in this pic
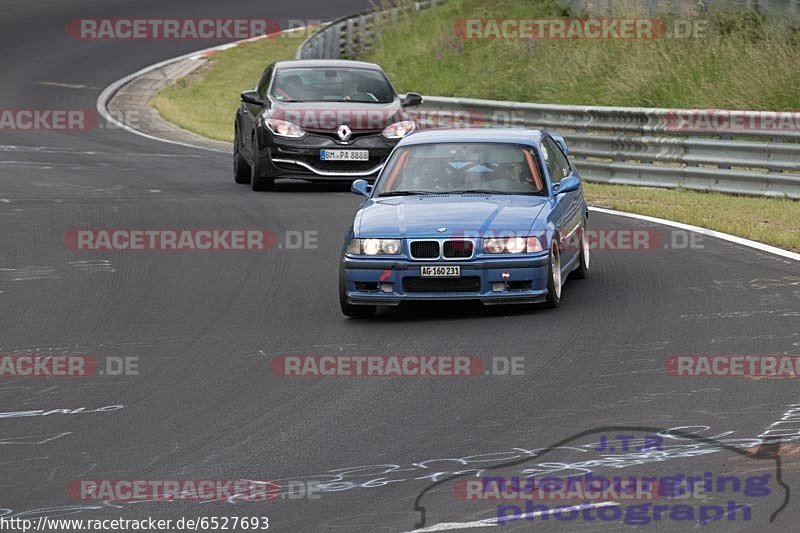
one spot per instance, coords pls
(501, 280)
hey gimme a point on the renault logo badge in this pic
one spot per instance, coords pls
(344, 132)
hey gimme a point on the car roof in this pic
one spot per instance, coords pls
(326, 63)
(486, 135)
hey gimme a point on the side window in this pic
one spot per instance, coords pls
(557, 163)
(263, 84)
(551, 162)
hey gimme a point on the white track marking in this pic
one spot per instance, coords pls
(704, 231)
(492, 522)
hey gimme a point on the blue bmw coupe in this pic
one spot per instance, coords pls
(495, 215)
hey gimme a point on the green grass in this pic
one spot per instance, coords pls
(205, 102)
(742, 62)
(722, 73)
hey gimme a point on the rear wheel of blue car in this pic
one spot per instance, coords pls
(353, 311)
(554, 277)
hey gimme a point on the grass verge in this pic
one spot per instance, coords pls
(736, 60)
(206, 101)
(773, 221)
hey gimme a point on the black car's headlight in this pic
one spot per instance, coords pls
(373, 247)
(283, 128)
(398, 130)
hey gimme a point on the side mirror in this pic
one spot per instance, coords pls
(411, 99)
(252, 97)
(568, 184)
(560, 142)
(361, 187)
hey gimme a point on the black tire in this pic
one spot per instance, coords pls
(554, 277)
(241, 169)
(585, 254)
(258, 181)
(353, 311)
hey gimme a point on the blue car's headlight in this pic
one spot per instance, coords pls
(512, 245)
(373, 247)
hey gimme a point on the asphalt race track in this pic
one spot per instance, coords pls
(204, 327)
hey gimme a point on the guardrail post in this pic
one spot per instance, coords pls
(362, 34)
(348, 37)
(337, 41)
(328, 44)
(319, 48)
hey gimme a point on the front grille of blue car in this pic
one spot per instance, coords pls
(425, 249)
(466, 284)
(458, 249)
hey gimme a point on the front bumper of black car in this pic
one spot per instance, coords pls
(301, 157)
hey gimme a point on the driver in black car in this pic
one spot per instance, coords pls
(353, 90)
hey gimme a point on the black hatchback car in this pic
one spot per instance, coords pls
(318, 120)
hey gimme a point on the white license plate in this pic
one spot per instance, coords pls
(440, 271)
(344, 155)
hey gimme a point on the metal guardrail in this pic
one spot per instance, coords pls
(349, 37)
(618, 145)
(646, 146)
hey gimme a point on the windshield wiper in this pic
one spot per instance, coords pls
(481, 191)
(406, 193)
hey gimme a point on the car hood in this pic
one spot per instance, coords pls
(328, 116)
(425, 216)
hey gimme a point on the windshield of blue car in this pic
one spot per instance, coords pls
(459, 168)
(332, 85)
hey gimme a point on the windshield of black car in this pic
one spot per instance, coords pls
(317, 84)
(460, 168)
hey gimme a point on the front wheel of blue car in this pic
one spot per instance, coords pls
(353, 311)
(554, 277)
(583, 262)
